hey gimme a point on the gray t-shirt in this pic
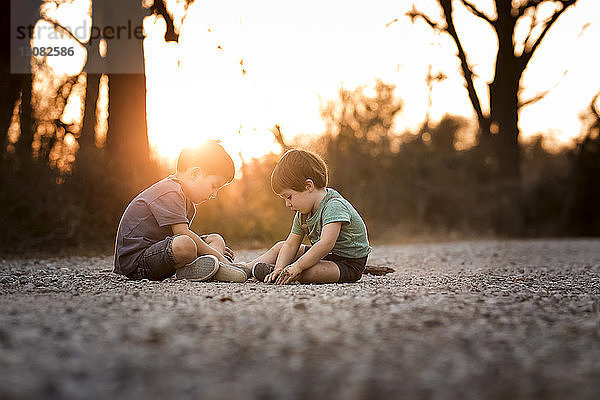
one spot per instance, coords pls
(148, 219)
(352, 241)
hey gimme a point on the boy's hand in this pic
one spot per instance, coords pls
(228, 252)
(288, 275)
(273, 275)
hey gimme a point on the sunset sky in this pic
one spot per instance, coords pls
(298, 55)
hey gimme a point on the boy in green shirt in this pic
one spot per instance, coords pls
(338, 235)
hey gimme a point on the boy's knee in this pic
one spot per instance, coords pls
(306, 276)
(184, 249)
(215, 238)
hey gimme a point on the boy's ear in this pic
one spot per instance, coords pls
(309, 184)
(196, 172)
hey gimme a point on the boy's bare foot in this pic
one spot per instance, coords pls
(201, 269)
(261, 270)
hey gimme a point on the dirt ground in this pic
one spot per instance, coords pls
(465, 320)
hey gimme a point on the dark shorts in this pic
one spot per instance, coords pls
(351, 269)
(156, 262)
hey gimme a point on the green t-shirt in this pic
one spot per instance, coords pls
(352, 242)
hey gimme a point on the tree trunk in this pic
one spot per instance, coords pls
(9, 83)
(127, 150)
(504, 97)
(127, 141)
(88, 156)
(27, 120)
(508, 217)
(86, 163)
(504, 127)
(88, 129)
(11, 89)
(28, 14)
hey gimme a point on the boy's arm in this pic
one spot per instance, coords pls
(286, 255)
(203, 248)
(329, 236)
(288, 250)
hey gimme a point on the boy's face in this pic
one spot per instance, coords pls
(199, 187)
(299, 201)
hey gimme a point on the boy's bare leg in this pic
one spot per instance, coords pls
(322, 272)
(270, 257)
(216, 241)
(184, 250)
(185, 253)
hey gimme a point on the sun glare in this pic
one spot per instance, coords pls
(239, 69)
(198, 91)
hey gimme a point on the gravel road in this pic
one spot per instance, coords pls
(465, 320)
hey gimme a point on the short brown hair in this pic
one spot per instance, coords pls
(295, 167)
(211, 157)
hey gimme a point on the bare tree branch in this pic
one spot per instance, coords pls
(391, 22)
(58, 26)
(466, 68)
(593, 108)
(415, 14)
(528, 53)
(159, 8)
(475, 11)
(541, 95)
(529, 4)
(583, 29)
(187, 5)
(276, 130)
(534, 99)
(532, 26)
(467, 72)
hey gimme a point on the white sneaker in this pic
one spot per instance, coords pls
(230, 273)
(201, 269)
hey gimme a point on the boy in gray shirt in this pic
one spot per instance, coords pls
(154, 240)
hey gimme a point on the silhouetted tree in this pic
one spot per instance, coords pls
(127, 145)
(17, 85)
(10, 84)
(91, 201)
(500, 126)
